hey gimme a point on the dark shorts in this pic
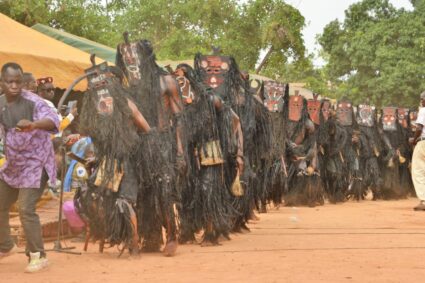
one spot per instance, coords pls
(129, 186)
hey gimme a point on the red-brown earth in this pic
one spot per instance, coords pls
(366, 241)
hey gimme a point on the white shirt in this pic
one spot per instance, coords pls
(421, 120)
(52, 106)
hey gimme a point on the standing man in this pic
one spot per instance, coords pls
(30, 83)
(418, 159)
(28, 123)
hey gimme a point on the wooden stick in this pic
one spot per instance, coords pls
(86, 242)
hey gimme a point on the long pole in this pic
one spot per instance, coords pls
(57, 245)
(69, 89)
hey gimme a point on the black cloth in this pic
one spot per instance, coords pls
(11, 114)
(27, 202)
(129, 186)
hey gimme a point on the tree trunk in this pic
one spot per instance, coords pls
(264, 61)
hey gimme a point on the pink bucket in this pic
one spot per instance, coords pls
(71, 215)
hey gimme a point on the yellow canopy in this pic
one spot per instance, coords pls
(41, 55)
(45, 56)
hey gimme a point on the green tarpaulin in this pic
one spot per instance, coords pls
(102, 51)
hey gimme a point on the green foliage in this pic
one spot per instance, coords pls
(281, 27)
(86, 18)
(377, 53)
(27, 12)
(179, 28)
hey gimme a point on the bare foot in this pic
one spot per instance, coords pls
(224, 238)
(209, 244)
(134, 252)
(245, 228)
(149, 247)
(170, 248)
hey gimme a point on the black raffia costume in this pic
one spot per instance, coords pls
(406, 151)
(223, 75)
(350, 153)
(160, 196)
(207, 203)
(331, 140)
(305, 185)
(390, 157)
(273, 96)
(261, 158)
(106, 118)
(318, 112)
(370, 146)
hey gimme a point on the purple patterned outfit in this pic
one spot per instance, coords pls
(27, 153)
(30, 162)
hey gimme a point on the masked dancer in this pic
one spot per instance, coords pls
(273, 96)
(370, 146)
(112, 120)
(305, 185)
(350, 154)
(222, 74)
(406, 151)
(391, 157)
(331, 140)
(156, 94)
(214, 144)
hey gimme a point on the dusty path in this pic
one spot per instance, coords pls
(352, 242)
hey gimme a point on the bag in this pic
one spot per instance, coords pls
(116, 181)
(237, 189)
(211, 154)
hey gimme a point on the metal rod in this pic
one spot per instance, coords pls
(69, 89)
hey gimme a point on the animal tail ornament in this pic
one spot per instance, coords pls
(356, 190)
(308, 190)
(120, 226)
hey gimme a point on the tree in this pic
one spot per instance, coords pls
(377, 53)
(179, 29)
(27, 12)
(85, 18)
(280, 29)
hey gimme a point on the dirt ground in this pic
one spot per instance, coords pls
(369, 241)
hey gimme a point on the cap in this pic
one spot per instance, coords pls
(43, 81)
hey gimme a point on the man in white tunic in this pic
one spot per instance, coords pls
(418, 159)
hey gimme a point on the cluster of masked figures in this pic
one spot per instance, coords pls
(197, 150)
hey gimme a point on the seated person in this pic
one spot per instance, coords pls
(77, 172)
